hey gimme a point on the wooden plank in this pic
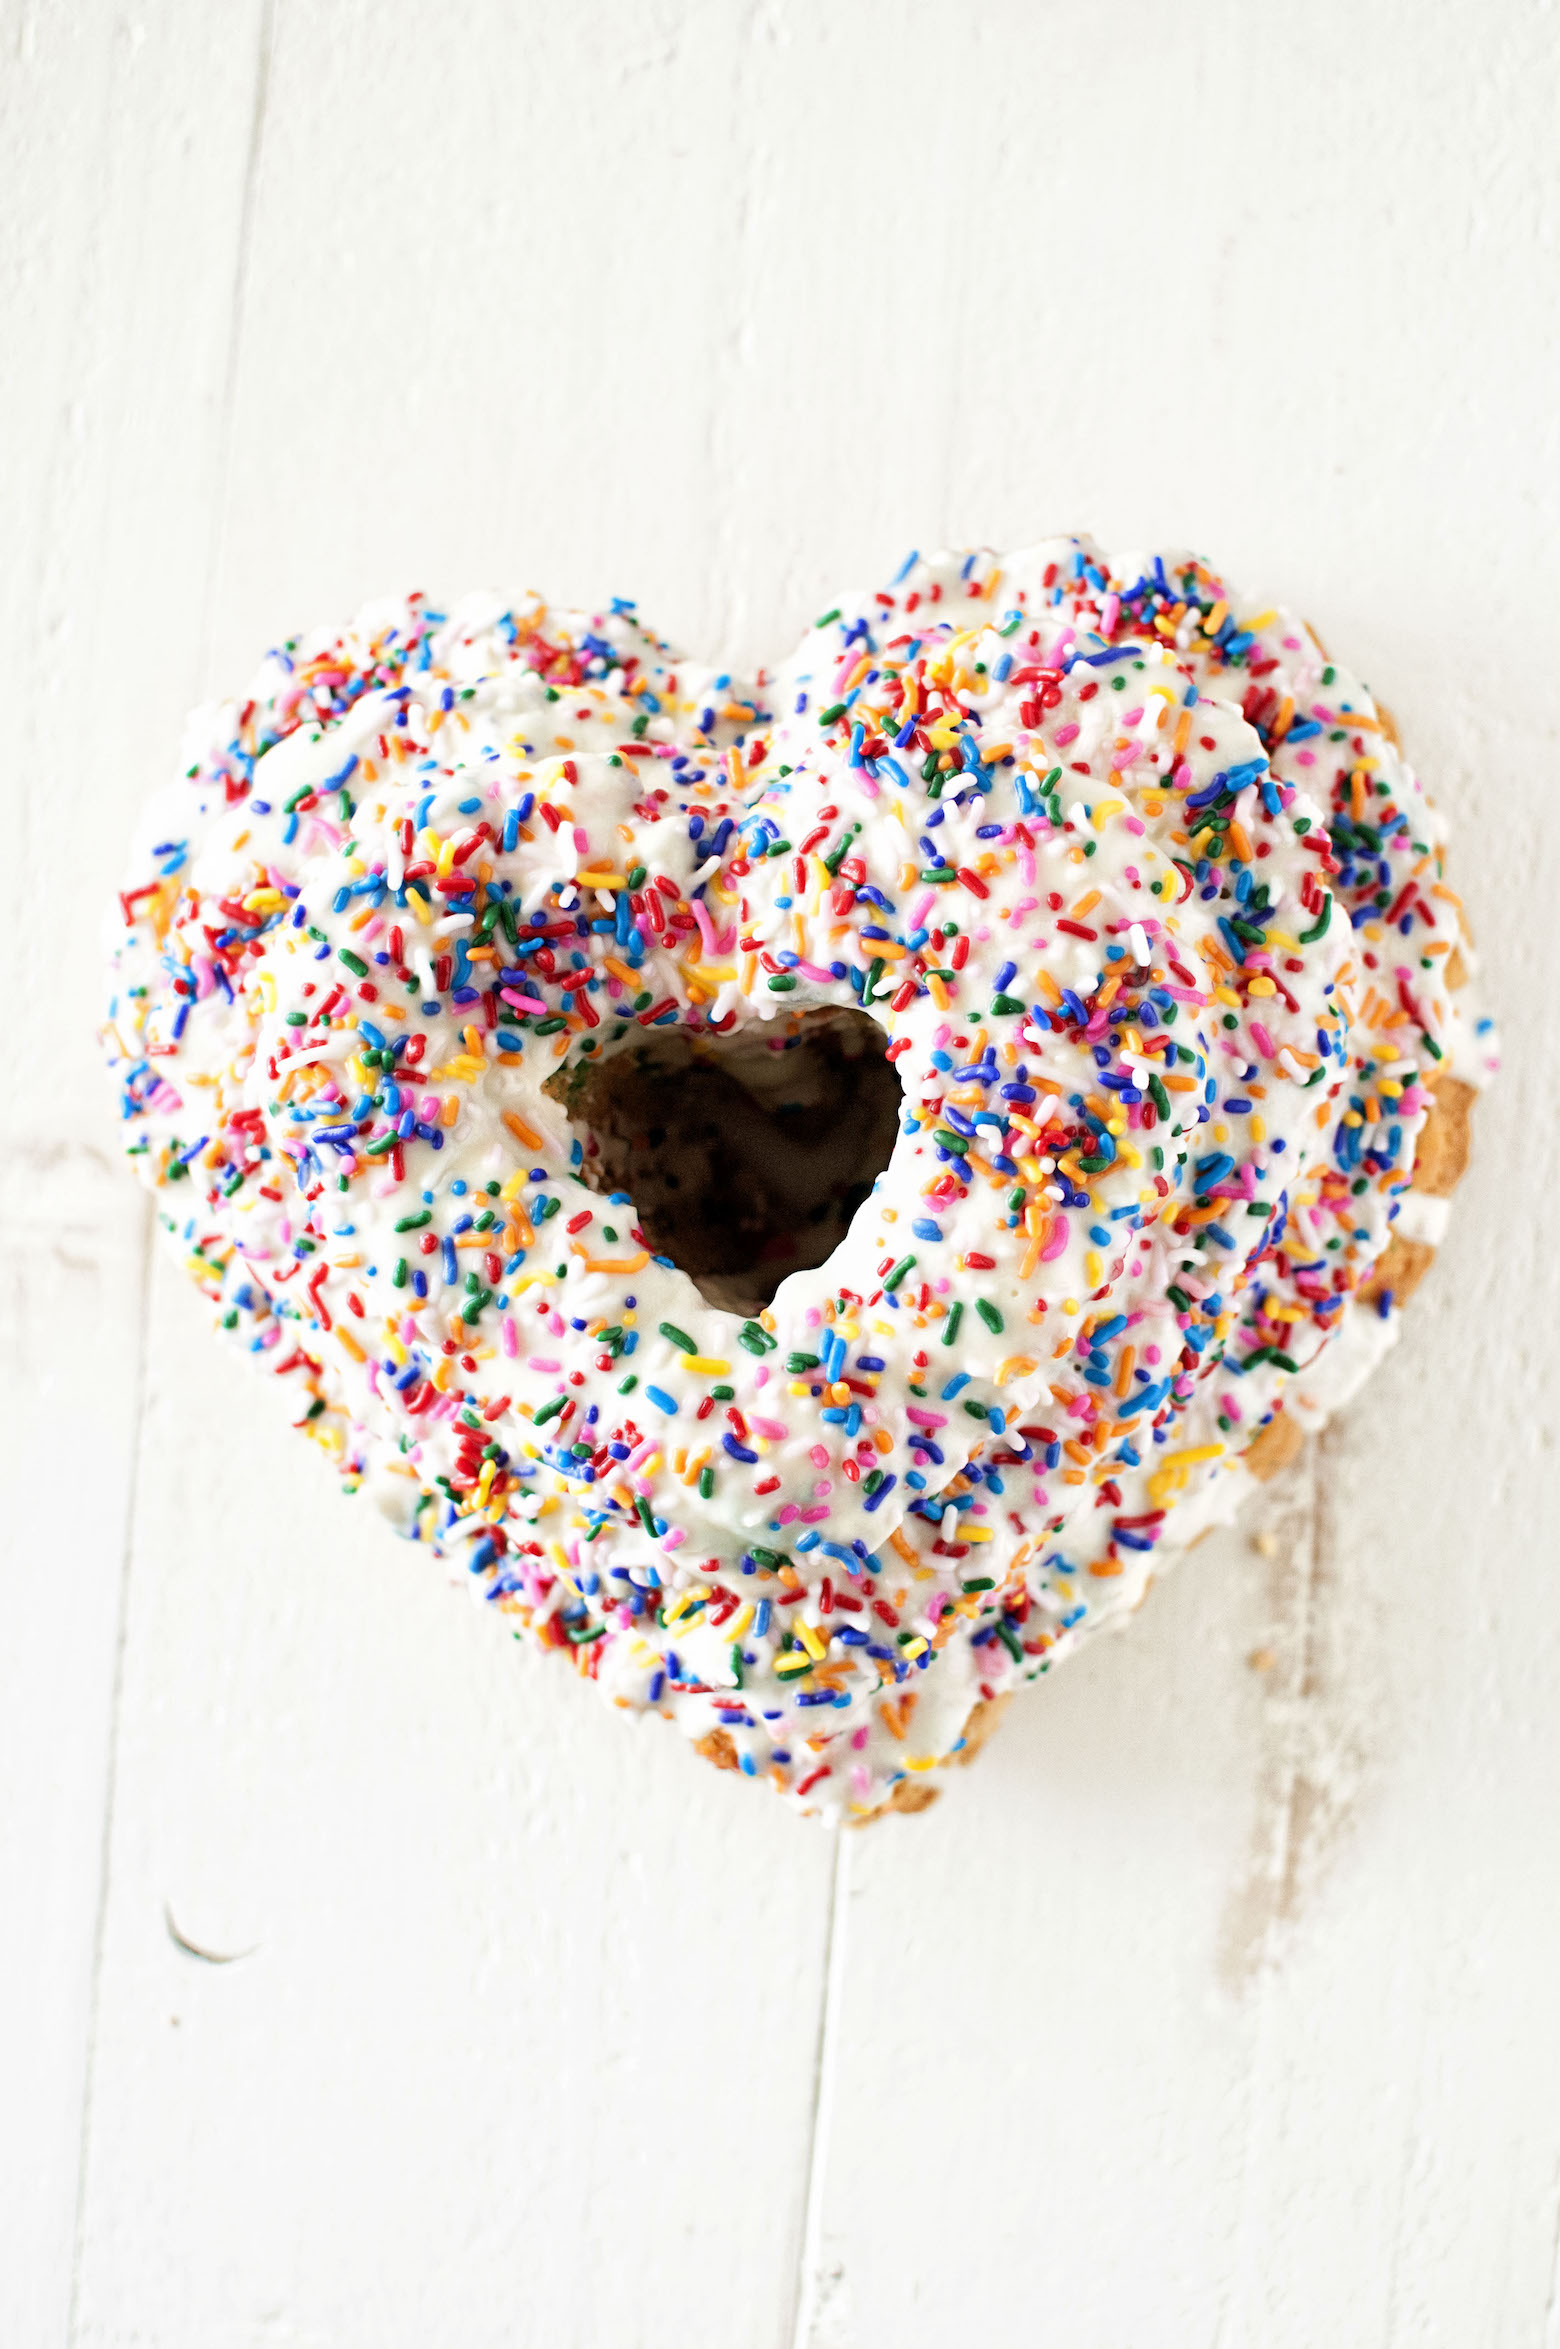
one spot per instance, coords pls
(115, 257)
(525, 2047)
(1222, 2009)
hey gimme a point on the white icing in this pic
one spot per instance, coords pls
(1084, 889)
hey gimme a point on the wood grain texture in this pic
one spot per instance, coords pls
(116, 260)
(1216, 2005)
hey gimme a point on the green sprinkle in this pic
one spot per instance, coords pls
(988, 1313)
(354, 962)
(414, 1223)
(951, 1325)
(898, 1273)
(1005, 1007)
(756, 1340)
(549, 1411)
(678, 1337)
(706, 1483)
(1318, 928)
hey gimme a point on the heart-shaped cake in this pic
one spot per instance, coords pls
(802, 1190)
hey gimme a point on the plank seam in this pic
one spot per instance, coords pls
(238, 308)
(805, 2297)
(110, 1780)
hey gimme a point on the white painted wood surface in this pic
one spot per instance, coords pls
(1219, 2005)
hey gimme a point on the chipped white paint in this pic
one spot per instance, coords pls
(1218, 2004)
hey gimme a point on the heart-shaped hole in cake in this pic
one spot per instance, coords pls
(745, 1156)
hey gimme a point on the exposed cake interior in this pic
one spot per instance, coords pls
(745, 1157)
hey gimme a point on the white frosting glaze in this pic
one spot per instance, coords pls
(1146, 1157)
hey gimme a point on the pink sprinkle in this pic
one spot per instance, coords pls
(510, 1336)
(789, 1514)
(1263, 1041)
(675, 1539)
(1066, 734)
(922, 1418)
(521, 1002)
(775, 1429)
(706, 926)
(816, 1515)
(1056, 1242)
(543, 1362)
(581, 841)
(818, 1456)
